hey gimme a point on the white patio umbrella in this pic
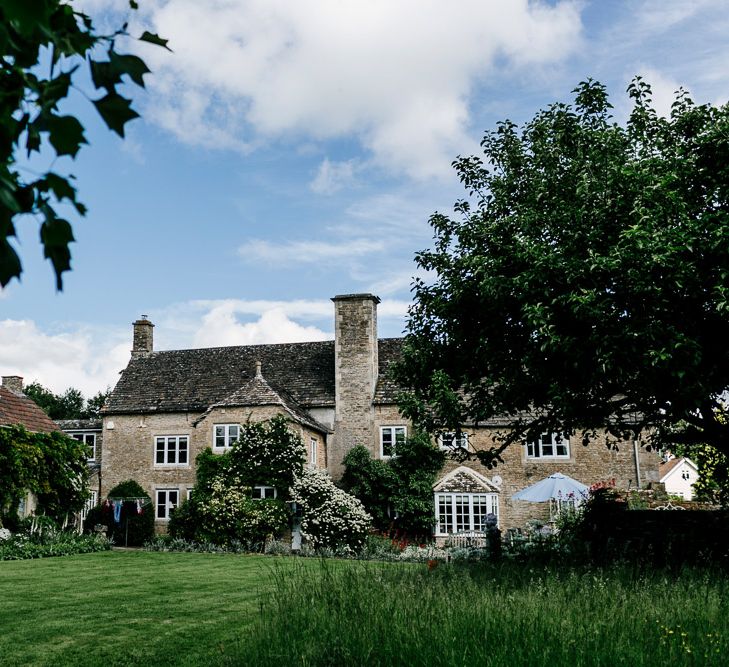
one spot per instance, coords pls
(554, 487)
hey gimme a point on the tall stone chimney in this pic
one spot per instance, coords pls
(143, 338)
(13, 383)
(355, 375)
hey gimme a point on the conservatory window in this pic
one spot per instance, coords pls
(456, 512)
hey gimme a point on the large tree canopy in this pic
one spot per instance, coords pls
(584, 281)
(46, 46)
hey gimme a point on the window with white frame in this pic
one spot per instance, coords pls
(456, 512)
(549, 446)
(390, 437)
(167, 500)
(89, 439)
(224, 435)
(171, 450)
(313, 451)
(90, 504)
(450, 440)
(263, 492)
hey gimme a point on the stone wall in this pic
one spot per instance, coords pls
(355, 368)
(129, 445)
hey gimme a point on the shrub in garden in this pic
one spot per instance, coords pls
(331, 518)
(39, 540)
(133, 529)
(397, 493)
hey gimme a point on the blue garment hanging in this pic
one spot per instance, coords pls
(117, 510)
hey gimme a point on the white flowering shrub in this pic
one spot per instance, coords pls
(267, 452)
(331, 518)
(5, 534)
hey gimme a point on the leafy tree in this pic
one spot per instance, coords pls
(44, 398)
(95, 403)
(68, 405)
(398, 493)
(46, 46)
(584, 281)
(50, 465)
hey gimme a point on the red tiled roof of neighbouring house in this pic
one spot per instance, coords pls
(19, 409)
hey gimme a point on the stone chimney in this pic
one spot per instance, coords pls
(13, 383)
(142, 344)
(355, 375)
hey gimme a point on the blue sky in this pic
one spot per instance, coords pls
(291, 151)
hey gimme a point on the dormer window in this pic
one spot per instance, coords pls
(224, 435)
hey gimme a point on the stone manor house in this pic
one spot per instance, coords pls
(170, 405)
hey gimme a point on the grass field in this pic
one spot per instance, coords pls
(128, 608)
(140, 608)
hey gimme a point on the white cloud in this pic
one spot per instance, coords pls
(663, 89)
(333, 176)
(219, 322)
(220, 327)
(307, 252)
(396, 75)
(87, 359)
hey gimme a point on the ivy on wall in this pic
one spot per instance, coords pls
(52, 466)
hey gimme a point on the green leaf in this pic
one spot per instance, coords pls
(134, 66)
(154, 39)
(56, 234)
(33, 139)
(116, 111)
(133, 4)
(10, 266)
(66, 134)
(105, 75)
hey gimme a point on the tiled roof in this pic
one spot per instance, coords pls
(19, 409)
(79, 424)
(193, 380)
(258, 392)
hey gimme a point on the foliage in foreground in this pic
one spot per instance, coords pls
(50, 465)
(397, 493)
(583, 283)
(491, 615)
(46, 45)
(50, 542)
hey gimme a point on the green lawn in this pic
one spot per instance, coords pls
(128, 608)
(142, 608)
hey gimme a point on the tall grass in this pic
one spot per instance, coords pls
(382, 614)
